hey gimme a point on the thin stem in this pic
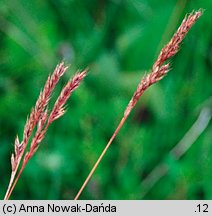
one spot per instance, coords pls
(101, 156)
(16, 180)
(13, 175)
(10, 185)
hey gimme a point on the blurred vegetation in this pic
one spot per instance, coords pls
(119, 41)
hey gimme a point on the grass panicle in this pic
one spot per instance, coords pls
(159, 70)
(40, 119)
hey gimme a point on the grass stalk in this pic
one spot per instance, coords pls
(40, 119)
(159, 70)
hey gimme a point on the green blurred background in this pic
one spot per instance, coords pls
(119, 41)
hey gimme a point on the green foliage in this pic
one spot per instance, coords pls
(119, 41)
